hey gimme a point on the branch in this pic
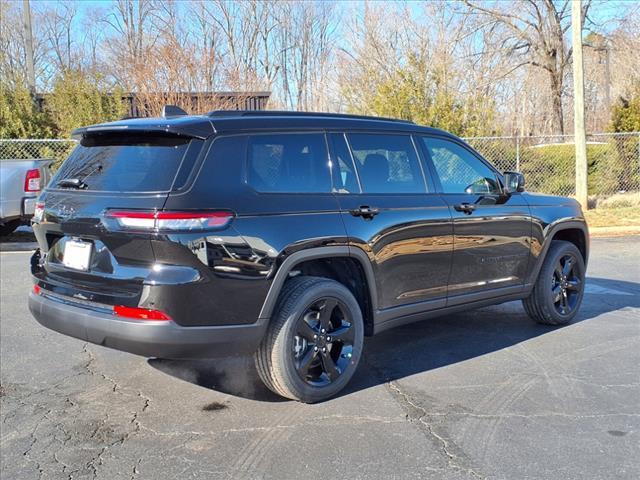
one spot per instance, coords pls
(505, 18)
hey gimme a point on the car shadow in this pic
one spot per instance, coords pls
(414, 348)
(21, 240)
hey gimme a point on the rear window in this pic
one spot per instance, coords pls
(131, 163)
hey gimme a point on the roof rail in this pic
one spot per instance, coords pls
(172, 111)
(285, 113)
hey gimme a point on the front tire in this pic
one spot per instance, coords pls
(314, 341)
(559, 289)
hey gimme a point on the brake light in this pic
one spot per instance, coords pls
(32, 181)
(36, 289)
(169, 221)
(139, 313)
(38, 212)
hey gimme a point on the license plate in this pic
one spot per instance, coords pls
(77, 255)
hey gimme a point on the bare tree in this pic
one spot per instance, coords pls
(13, 62)
(247, 29)
(305, 41)
(535, 34)
(131, 38)
(58, 27)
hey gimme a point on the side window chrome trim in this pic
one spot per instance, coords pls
(424, 177)
(353, 160)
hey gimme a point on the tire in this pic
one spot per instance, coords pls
(558, 292)
(9, 227)
(291, 361)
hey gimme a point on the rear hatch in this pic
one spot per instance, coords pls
(92, 222)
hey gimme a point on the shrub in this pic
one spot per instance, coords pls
(77, 101)
(551, 168)
(20, 117)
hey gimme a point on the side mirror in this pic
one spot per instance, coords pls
(513, 182)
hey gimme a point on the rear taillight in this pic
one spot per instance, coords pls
(36, 289)
(168, 221)
(32, 181)
(139, 313)
(38, 212)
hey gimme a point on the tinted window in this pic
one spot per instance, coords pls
(387, 163)
(131, 163)
(459, 170)
(343, 172)
(296, 163)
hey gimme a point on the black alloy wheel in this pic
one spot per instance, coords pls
(559, 289)
(314, 340)
(566, 286)
(323, 344)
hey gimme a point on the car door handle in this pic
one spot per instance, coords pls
(365, 212)
(465, 207)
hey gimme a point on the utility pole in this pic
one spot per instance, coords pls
(578, 105)
(28, 35)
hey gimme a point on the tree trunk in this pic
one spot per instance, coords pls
(556, 102)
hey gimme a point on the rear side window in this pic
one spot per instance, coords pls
(131, 163)
(288, 163)
(387, 163)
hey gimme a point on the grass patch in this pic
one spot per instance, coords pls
(627, 199)
(613, 217)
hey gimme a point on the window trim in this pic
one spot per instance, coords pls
(334, 161)
(475, 154)
(245, 163)
(425, 183)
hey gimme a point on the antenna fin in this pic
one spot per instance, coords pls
(172, 111)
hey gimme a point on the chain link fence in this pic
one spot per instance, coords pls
(548, 162)
(56, 149)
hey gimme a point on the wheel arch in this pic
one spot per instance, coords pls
(572, 231)
(349, 266)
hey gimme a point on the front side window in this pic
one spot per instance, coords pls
(459, 170)
(387, 163)
(288, 163)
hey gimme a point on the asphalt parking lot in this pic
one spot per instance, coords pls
(484, 394)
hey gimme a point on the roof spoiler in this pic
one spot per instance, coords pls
(172, 111)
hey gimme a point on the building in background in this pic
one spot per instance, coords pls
(140, 104)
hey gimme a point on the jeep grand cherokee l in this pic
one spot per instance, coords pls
(289, 236)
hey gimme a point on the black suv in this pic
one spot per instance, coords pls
(290, 236)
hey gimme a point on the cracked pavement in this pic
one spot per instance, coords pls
(482, 394)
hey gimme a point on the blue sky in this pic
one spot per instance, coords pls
(603, 12)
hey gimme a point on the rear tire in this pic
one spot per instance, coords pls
(314, 341)
(559, 289)
(9, 227)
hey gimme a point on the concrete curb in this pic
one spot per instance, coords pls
(618, 231)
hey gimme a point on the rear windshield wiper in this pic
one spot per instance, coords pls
(72, 183)
(78, 183)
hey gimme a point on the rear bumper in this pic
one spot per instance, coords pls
(28, 207)
(162, 339)
(21, 208)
